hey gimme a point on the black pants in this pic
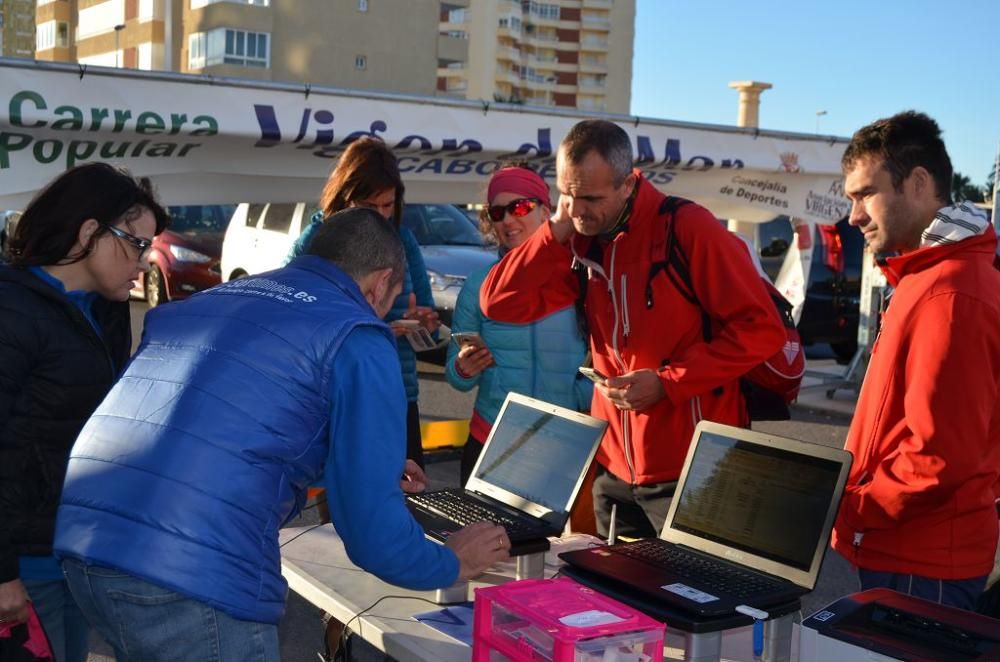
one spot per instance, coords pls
(470, 455)
(641, 511)
(414, 444)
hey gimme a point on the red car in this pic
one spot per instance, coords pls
(184, 258)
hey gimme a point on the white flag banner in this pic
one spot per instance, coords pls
(794, 274)
(205, 140)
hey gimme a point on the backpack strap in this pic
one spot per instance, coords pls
(675, 264)
(594, 254)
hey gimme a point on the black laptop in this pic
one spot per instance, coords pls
(749, 525)
(528, 475)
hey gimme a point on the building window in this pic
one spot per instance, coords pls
(198, 4)
(62, 35)
(362, 5)
(225, 46)
(247, 48)
(360, 62)
(45, 35)
(513, 23)
(541, 10)
(196, 50)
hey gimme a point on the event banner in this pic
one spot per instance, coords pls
(205, 140)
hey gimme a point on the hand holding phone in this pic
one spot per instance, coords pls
(464, 338)
(593, 375)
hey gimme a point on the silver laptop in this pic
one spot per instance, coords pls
(749, 525)
(527, 477)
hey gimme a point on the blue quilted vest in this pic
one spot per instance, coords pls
(206, 445)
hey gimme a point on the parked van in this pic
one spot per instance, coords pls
(259, 237)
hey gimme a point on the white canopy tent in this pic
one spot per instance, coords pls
(206, 140)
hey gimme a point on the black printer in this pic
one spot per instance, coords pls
(880, 624)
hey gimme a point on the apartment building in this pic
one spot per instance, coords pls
(566, 53)
(557, 53)
(370, 44)
(17, 28)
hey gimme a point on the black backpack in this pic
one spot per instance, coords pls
(769, 387)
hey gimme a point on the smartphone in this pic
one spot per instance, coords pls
(593, 375)
(409, 325)
(464, 338)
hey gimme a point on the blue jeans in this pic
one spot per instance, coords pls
(64, 623)
(961, 593)
(142, 621)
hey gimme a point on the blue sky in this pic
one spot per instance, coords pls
(858, 60)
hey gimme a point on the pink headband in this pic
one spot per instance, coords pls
(521, 181)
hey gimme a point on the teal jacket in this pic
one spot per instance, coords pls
(539, 359)
(415, 280)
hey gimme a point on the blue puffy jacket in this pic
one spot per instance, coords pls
(230, 408)
(415, 280)
(539, 359)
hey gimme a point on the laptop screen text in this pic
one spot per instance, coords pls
(537, 455)
(758, 499)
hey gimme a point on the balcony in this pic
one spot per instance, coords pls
(593, 44)
(540, 39)
(597, 4)
(508, 53)
(508, 76)
(595, 22)
(452, 71)
(593, 65)
(509, 32)
(452, 49)
(542, 61)
(538, 83)
(591, 83)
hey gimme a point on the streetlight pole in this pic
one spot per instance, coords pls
(118, 31)
(819, 113)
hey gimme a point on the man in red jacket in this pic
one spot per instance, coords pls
(918, 513)
(663, 376)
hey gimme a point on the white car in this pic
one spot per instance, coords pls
(259, 237)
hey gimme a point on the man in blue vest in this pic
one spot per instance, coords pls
(236, 401)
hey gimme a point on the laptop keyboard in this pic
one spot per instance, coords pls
(699, 569)
(454, 505)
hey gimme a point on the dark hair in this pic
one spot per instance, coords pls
(50, 226)
(366, 168)
(904, 141)
(360, 241)
(607, 139)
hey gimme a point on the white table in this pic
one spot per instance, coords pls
(317, 568)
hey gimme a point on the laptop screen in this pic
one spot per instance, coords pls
(757, 498)
(537, 453)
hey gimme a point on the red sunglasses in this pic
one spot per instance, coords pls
(517, 208)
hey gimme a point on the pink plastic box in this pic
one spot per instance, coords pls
(560, 621)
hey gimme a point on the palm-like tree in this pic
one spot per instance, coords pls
(962, 188)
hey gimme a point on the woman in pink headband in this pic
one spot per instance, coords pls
(538, 359)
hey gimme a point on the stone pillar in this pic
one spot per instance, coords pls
(749, 115)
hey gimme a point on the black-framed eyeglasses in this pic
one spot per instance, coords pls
(140, 244)
(517, 208)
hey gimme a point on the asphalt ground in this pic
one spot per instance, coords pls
(301, 629)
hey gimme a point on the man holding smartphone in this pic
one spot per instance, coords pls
(663, 375)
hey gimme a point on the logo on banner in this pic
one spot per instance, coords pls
(790, 162)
